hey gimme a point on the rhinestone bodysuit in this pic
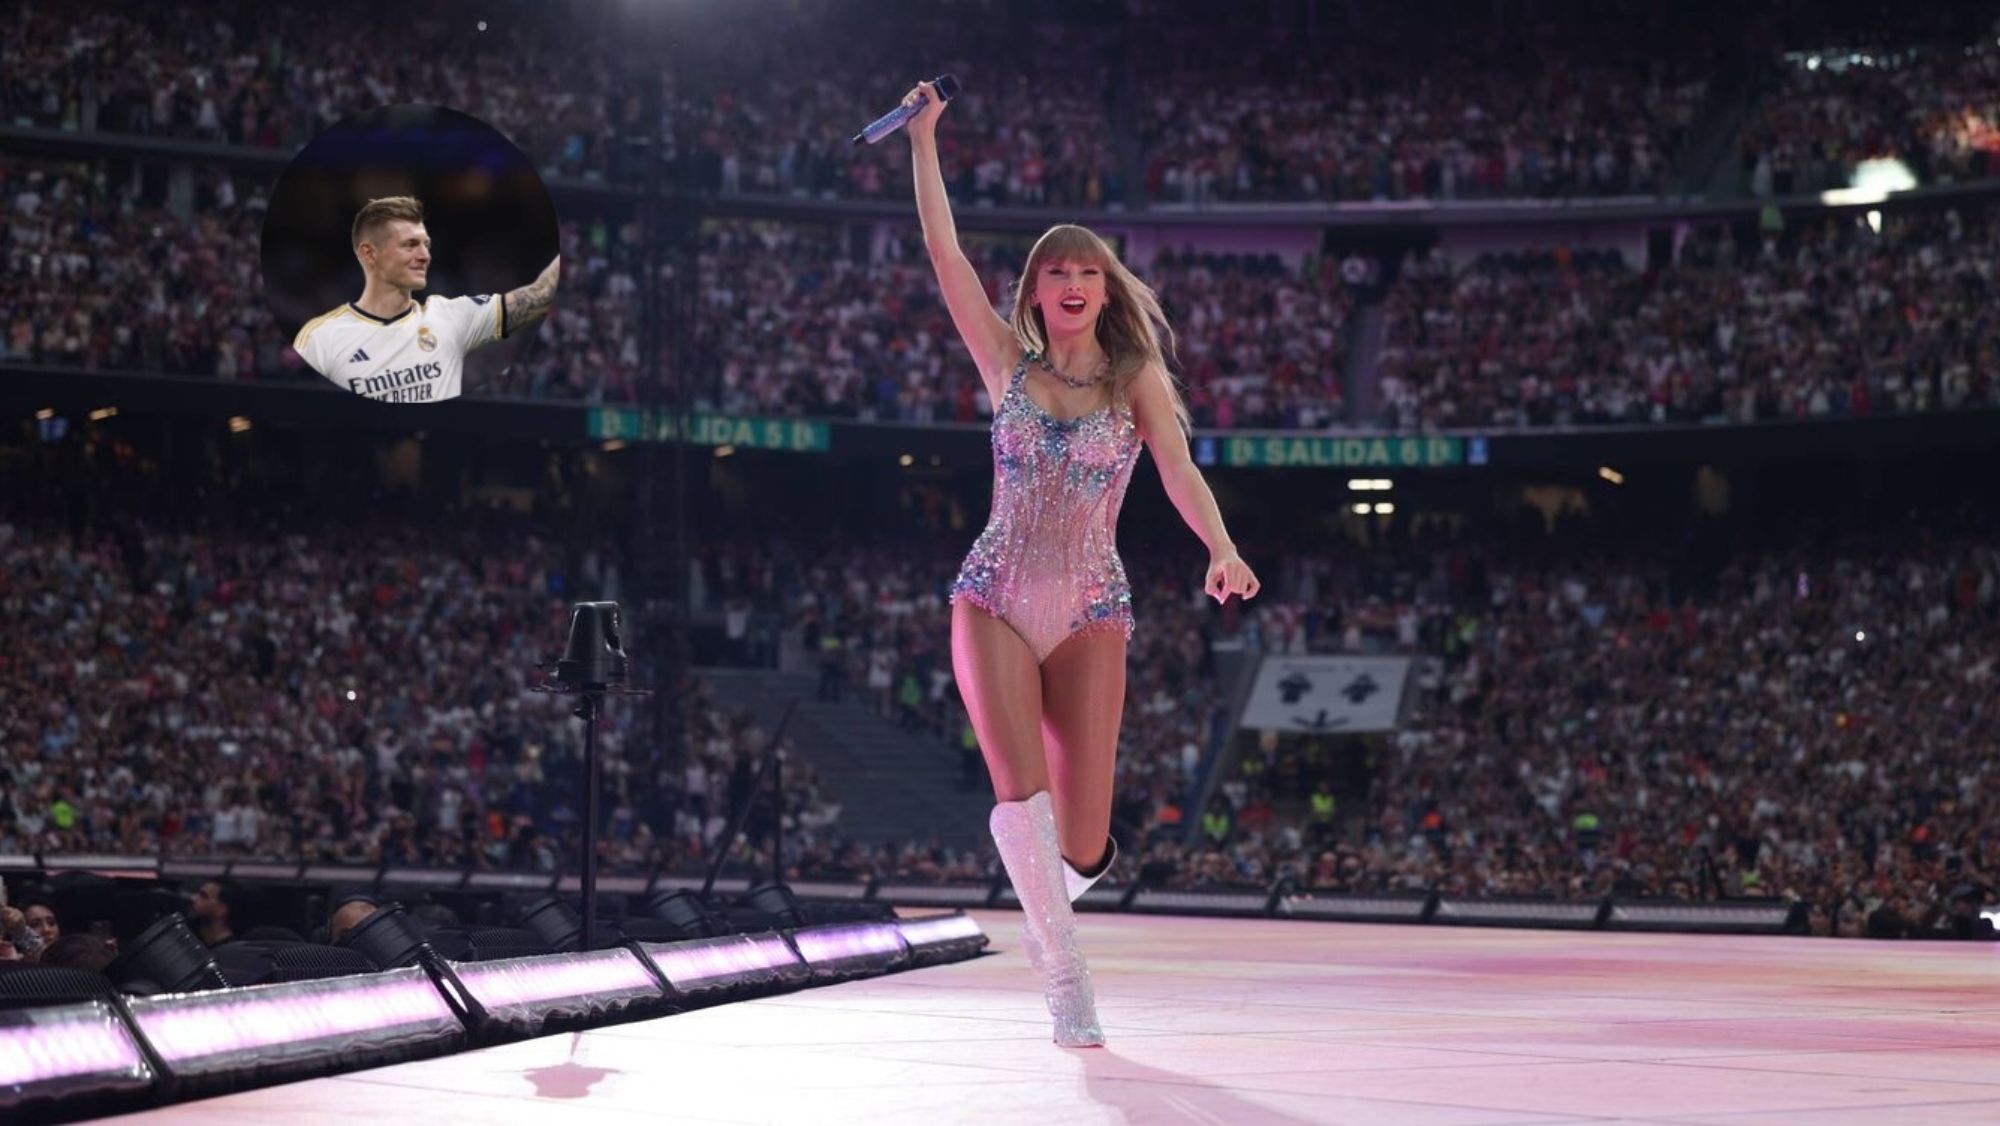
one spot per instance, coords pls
(1047, 563)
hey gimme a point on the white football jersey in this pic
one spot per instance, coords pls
(417, 356)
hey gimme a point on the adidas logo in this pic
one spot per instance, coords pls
(359, 357)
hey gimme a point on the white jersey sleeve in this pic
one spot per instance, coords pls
(472, 321)
(310, 344)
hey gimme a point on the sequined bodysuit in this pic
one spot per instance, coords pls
(1047, 563)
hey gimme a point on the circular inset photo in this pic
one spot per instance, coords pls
(411, 251)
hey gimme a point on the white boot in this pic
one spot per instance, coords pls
(1025, 832)
(1077, 882)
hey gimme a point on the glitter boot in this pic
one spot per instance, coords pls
(1025, 831)
(1077, 882)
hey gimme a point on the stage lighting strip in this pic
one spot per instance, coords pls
(51, 1052)
(514, 989)
(846, 944)
(939, 930)
(263, 1024)
(703, 964)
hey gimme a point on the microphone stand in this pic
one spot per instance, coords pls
(594, 660)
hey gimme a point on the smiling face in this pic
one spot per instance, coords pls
(1070, 294)
(397, 253)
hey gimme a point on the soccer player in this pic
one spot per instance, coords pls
(390, 346)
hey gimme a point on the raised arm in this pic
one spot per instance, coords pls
(989, 338)
(525, 307)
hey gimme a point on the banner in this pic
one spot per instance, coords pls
(1340, 453)
(795, 434)
(1326, 695)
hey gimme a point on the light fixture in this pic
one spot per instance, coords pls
(685, 910)
(102, 413)
(1773, 916)
(1505, 911)
(1610, 474)
(523, 995)
(45, 414)
(703, 966)
(1411, 907)
(852, 949)
(68, 1059)
(942, 938)
(168, 958)
(238, 424)
(613, 446)
(1220, 902)
(555, 922)
(1384, 508)
(906, 461)
(725, 450)
(389, 938)
(777, 901)
(266, 1032)
(1361, 509)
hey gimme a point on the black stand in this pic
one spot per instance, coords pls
(722, 845)
(592, 668)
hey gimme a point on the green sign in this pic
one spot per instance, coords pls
(795, 434)
(1345, 453)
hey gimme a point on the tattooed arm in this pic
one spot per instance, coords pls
(526, 306)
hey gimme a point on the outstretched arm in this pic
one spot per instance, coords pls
(1153, 406)
(989, 338)
(525, 307)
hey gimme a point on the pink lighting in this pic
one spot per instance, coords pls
(710, 963)
(820, 946)
(943, 928)
(601, 976)
(43, 1047)
(278, 1022)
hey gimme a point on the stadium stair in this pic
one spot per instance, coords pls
(892, 784)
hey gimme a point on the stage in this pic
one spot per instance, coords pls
(1246, 1021)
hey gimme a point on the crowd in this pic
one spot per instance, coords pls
(182, 677)
(1832, 318)
(1109, 108)
(1526, 112)
(1935, 108)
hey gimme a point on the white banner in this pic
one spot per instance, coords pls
(1326, 694)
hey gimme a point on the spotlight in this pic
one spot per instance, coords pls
(168, 957)
(777, 901)
(595, 657)
(554, 922)
(389, 938)
(684, 909)
(906, 461)
(238, 424)
(1610, 474)
(102, 413)
(1361, 509)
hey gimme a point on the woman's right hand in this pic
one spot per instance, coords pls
(925, 123)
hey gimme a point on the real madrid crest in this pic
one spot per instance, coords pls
(426, 339)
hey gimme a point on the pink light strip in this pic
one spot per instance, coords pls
(820, 945)
(704, 961)
(946, 928)
(192, 1026)
(66, 1042)
(530, 981)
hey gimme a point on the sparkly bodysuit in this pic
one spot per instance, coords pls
(1047, 563)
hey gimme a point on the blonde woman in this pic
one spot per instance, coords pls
(1041, 610)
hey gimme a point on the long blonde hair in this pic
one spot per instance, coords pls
(1131, 328)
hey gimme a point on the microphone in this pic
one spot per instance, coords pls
(947, 88)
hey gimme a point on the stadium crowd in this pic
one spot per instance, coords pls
(1830, 318)
(350, 687)
(1935, 108)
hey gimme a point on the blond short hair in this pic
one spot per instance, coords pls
(379, 213)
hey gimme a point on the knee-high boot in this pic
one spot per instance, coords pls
(1025, 832)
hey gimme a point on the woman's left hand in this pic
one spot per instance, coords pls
(1228, 574)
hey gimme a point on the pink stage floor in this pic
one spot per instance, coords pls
(1238, 1021)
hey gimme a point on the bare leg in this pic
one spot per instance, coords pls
(1083, 701)
(1002, 690)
